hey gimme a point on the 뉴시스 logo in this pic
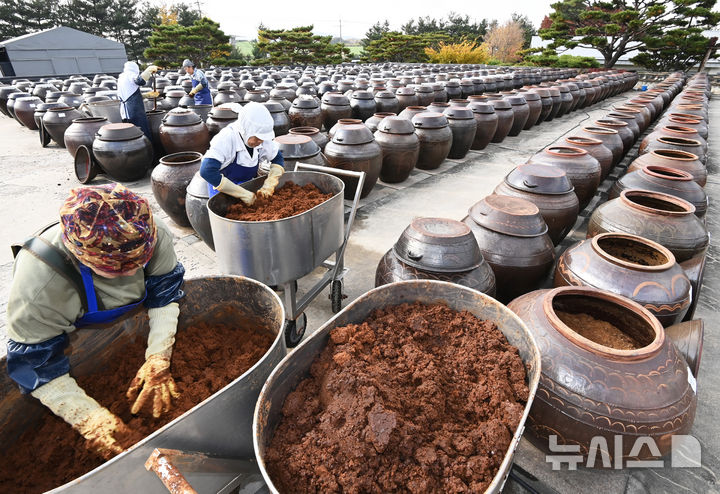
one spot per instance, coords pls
(684, 453)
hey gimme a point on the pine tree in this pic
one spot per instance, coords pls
(297, 46)
(398, 47)
(375, 32)
(204, 43)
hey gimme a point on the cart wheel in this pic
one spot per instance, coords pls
(294, 330)
(336, 296)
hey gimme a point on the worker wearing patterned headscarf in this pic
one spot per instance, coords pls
(114, 256)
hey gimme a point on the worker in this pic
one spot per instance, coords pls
(200, 88)
(106, 256)
(237, 151)
(132, 108)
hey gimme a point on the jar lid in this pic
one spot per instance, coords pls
(516, 100)
(363, 94)
(296, 146)
(509, 215)
(396, 125)
(539, 179)
(429, 120)
(274, 106)
(350, 134)
(223, 113)
(119, 132)
(478, 107)
(305, 102)
(335, 99)
(501, 104)
(405, 91)
(458, 113)
(181, 117)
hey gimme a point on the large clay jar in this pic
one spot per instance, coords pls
(341, 122)
(40, 110)
(594, 148)
(671, 158)
(5, 92)
(123, 151)
(557, 103)
(566, 100)
(676, 143)
(196, 209)
(373, 122)
(550, 190)
(626, 135)
(406, 97)
(386, 102)
(582, 170)
(334, 106)
(57, 120)
(437, 249)
(425, 95)
(683, 120)
(299, 148)
(610, 137)
(320, 138)
(636, 113)
(521, 113)
(663, 218)
(305, 112)
(362, 104)
(11, 103)
(257, 95)
(505, 115)
(281, 122)
(513, 240)
(400, 148)
(665, 131)
(218, 119)
(24, 109)
(184, 130)
(592, 386)
(410, 111)
(462, 124)
(486, 121)
(534, 108)
(354, 148)
(170, 179)
(435, 139)
(629, 120)
(631, 266)
(657, 178)
(545, 101)
(82, 133)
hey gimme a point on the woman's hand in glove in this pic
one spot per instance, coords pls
(153, 383)
(227, 187)
(101, 429)
(273, 177)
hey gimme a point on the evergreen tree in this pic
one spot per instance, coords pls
(18, 17)
(457, 27)
(204, 43)
(298, 46)
(398, 47)
(185, 14)
(527, 27)
(375, 32)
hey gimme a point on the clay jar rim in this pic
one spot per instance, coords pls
(675, 154)
(627, 196)
(174, 159)
(595, 244)
(583, 141)
(667, 173)
(589, 345)
(600, 130)
(679, 129)
(610, 122)
(304, 131)
(679, 141)
(688, 117)
(83, 120)
(568, 151)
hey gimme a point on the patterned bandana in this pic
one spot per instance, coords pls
(108, 227)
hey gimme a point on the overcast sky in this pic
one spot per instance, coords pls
(242, 18)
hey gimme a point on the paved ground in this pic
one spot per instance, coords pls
(34, 181)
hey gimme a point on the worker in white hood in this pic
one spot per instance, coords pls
(237, 151)
(132, 108)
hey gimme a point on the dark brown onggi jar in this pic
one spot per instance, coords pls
(82, 133)
(675, 131)
(353, 147)
(362, 104)
(334, 106)
(57, 120)
(534, 108)
(463, 127)
(678, 144)
(609, 137)
(521, 113)
(320, 138)
(184, 130)
(299, 148)
(435, 139)
(372, 122)
(601, 354)
(305, 112)
(170, 179)
(626, 135)
(410, 111)
(674, 159)
(546, 102)
(281, 122)
(218, 119)
(550, 190)
(486, 122)
(386, 102)
(406, 97)
(505, 115)
(400, 148)
(595, 148)
(123, 151)
(437, 249)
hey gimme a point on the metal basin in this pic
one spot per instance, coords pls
(276, 252)
(220, 425)
(296, 366)
(107, 109)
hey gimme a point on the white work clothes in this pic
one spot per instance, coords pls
(128, 84)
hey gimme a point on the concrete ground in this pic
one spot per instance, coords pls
(34, 182)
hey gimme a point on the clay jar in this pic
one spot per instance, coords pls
(305, 112)
(57, 120)
(218, 119)
(656, 178)
(82, 133)
(406, 97)
(184, 130)
(462, 124)
(40, 110)
(12, 97)
(589, 390)
(425, 95)
(666, 131)
(299, 148)
(626, 135)
(677, 143)
(594, 148)
(320, 138)
(24, 109)
(5, 92)
(581, 169)
(629, 119)
(170, 179)
(534, 108)
(636, 113)
(435, 139)
(521, 113)
(631, 266)
(690, 121)
(342, 121)
(566, 100)
(386, 102)
(334, 106)
(257, 95)
(362, 104)
(354, 148)
(411, 111)
(557, 103)
(663, 218)
(513, 240)
(123, 151)
(505, 115)
(281, 122)
(437, 249)
(677, 160)
(196, 200)
(486, 122)
(609, 137)
(372, 122)
(550, 190)
(400, 148)
(545, 101)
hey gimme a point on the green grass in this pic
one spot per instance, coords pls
(244, 47)
(355, 49)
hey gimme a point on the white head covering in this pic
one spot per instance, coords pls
(131, 67)
(126, 83)
(255, 120)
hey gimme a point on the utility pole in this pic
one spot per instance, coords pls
(197, 2)
(340, 30)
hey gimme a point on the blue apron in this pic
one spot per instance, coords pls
(202, 97)
(135, 113)
(237, 174)
(93, 316)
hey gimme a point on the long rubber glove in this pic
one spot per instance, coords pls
(273, 177)
(196, 89)
(153, 383)
(150, 94)
(149, 72)
(96, 423)
(226, 186)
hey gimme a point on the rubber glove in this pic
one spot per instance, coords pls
(151, 94)
(96, 423)
(273, 177)
(196, 89)
(227, 187)
(153, 383)
(148, 72)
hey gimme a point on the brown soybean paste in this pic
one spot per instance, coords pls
(204, 360)
(418, 398)
(288, 200)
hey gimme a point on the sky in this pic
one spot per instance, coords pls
(242, 18)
